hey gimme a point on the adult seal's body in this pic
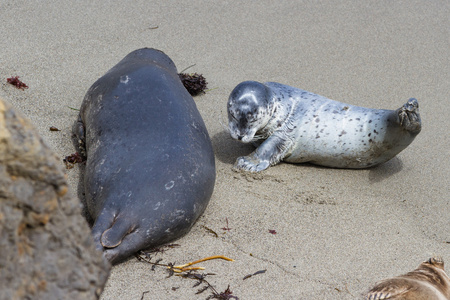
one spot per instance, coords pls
(298, 126)
(150, 167)
(428, 282)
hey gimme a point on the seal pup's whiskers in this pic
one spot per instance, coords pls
(227, 129)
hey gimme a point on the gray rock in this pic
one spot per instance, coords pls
(46, 248)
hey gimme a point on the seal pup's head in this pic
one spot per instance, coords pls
(429, 281)
(249, 110)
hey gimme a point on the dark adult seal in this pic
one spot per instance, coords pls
(293, 125)
(150, 167)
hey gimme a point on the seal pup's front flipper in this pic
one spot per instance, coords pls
(269, 153)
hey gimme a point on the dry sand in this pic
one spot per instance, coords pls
(338, 231)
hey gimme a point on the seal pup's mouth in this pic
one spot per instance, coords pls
(244, 137)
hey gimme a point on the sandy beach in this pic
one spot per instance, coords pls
(337, 231)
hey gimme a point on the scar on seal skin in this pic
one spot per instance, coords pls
(296, 126)
(428, 282)
(150, 168)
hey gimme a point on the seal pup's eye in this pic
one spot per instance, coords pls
(233, 117)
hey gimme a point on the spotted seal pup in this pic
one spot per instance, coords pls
(296, 126)
(150, 167)
(428, 282)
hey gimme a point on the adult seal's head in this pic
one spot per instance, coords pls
(250, 108)
(150, 168)
(146, 56)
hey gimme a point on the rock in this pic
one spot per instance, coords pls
(46, 246)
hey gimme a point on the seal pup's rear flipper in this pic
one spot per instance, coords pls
(409, 117)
